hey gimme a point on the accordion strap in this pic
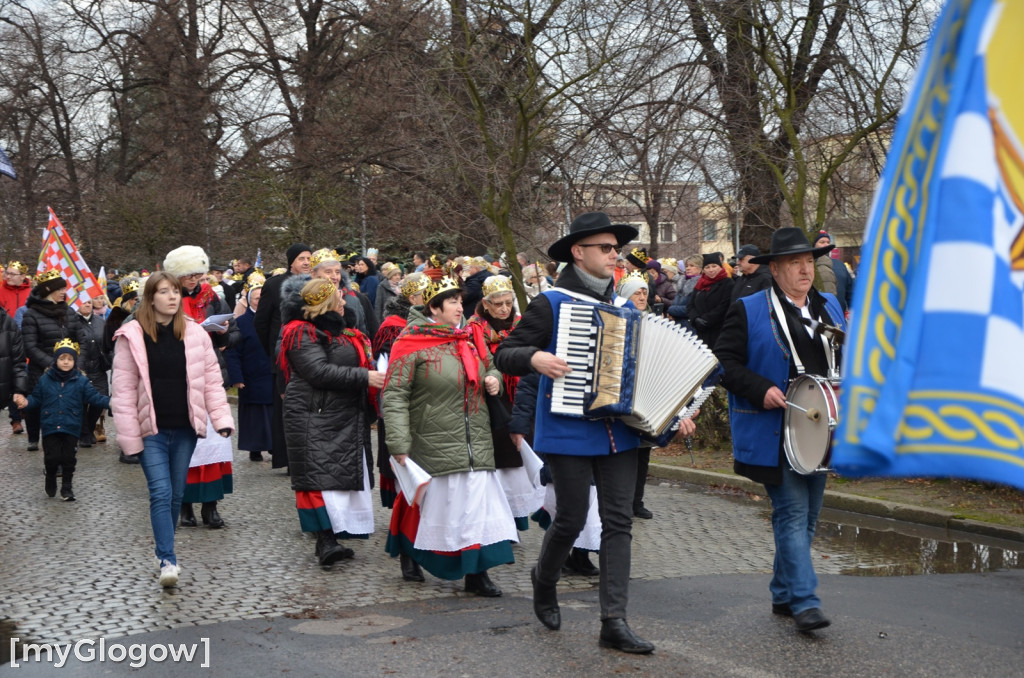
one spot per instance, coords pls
(781, 315)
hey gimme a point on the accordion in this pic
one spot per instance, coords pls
(643, 369)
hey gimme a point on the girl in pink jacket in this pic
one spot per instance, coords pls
(166, 380)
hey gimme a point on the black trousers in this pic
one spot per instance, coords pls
(279, 452)
(32, 425)
(15, 412)
(60, 449)
(615, 478)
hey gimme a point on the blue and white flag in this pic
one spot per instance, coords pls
(259, 259)
(934, 366)
(5, 165)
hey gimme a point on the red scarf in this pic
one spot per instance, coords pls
(298, 330)
(484, 332)
(194, 305)
(417, 338)
(706, 282)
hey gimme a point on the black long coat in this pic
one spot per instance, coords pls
(13, 376)
(707, 309)
(45, 323)
(326, 409)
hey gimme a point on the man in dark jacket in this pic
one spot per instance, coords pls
(268, 329)
(579, 450)
(755, 277)
(757, 374)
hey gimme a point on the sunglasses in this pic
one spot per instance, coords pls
(605, 247)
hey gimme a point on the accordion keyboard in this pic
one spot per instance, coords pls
(575, 343)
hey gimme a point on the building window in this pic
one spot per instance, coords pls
(667, 231)
(668, 198)
(710, 230)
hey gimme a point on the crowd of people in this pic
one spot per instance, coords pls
(453, 373)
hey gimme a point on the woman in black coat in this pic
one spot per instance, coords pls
(710, 300)
(327, 416)
(48, 319)
(249, 371)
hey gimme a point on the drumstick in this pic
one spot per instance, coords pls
(813, 414)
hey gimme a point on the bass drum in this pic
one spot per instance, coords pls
(810, 421)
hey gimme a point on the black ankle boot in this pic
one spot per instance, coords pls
(51, 484)
(410, 568)
(328, 550)
(616, 634)
(545, 603)
(188, 518)
(481, 585)
(210, 515)
(65, 492)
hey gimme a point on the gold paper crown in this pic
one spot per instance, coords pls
(46, 276)
(236, 277)
(320, 296)
(479, 262)
(496, 284)
(435, 261)
(669, 261)
(387, 268)
(130, 286)
(634, 275)
(352, 255)
(322, 256)
(256, 279)
(445, 284)
(416, 284)
(18, 265)
(66, 343)
(280, 270)
(641, 254)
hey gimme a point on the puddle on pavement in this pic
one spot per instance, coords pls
(888, 548)
(880, 547)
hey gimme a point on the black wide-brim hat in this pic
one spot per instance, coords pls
(790, 240)
(586, 225)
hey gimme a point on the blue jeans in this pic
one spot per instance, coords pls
(164, 459)
(796, 504)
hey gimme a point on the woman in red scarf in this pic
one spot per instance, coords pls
(435, 411)
(327, 415)
(494, 319)
(710, 300)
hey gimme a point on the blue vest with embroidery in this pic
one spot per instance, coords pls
(756, 432)
(559, 434)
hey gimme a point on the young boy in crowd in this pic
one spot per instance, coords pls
(61, 395)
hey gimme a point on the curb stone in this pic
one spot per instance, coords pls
(843, 501)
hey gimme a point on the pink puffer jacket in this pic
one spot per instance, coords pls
(132, 395)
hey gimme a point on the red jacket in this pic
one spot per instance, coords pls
(12, 298)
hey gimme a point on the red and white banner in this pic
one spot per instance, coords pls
(59, 252)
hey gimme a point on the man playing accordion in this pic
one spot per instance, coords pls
(580, 450)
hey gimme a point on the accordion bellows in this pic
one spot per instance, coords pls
(641, 368)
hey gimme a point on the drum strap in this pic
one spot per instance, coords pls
(780, 313)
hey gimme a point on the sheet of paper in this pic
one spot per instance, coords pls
(215, 322)
(382, 363)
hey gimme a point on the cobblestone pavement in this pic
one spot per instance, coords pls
(85, 569)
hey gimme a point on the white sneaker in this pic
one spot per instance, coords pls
(168, 575)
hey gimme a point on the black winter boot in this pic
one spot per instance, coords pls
(481, 585)
(210, 515)
(328, 550)
(188, 518)
(579, 563)
(410, 568)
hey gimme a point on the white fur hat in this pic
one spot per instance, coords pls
(186, 260)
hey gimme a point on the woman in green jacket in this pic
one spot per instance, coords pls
(436, 414)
